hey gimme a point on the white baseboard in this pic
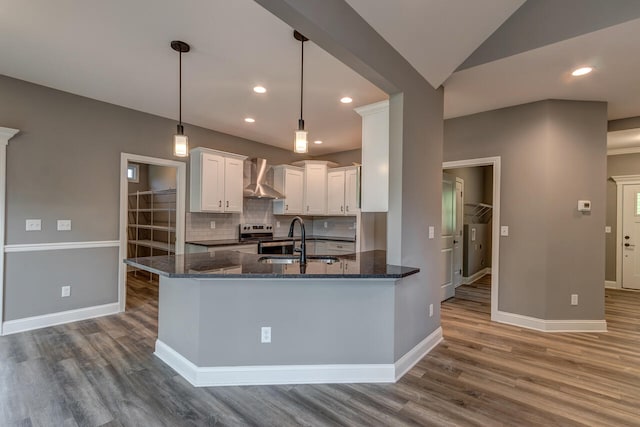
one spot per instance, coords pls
(611, 284)
(413, 356)
(447, 291)
(550, 325)
(37, 322)
(476, 276)
(295, 374)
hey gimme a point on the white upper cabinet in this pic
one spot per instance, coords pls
(216, 181)
(342, 191)
(315, 186)
(289, 180)
(335, 192)
(375, 157)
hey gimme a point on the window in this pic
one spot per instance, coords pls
(132, 173)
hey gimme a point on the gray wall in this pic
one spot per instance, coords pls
(553, 154)
(143, 179)
(162, 177)
(623, 164)
(65, 164)
(415, 139)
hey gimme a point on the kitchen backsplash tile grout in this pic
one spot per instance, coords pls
(198, 225)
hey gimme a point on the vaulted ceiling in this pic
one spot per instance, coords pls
(487, 54)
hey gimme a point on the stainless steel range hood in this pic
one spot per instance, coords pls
(259, 188)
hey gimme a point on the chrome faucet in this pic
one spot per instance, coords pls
(303, 246)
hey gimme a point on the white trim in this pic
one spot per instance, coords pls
(295, 374)
(5, 135)
(181, 189)
(417, 353)
(627, 150)
(34, 247)
(621, 181)
(476, 276)
(46, 320)
(551, 325)
(611, 284)
(376, 107)
(495, 232)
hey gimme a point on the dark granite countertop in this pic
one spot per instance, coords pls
(232, 242)
(232, 264)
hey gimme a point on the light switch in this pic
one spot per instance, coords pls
(64, 225)
(33, 225)
(432, 231)
(607, 229)
(504, 230)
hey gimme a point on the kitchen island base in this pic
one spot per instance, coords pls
(323, 331)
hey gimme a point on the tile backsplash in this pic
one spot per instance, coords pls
(198, 225)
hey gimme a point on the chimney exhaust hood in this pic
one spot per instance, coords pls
(259, 188)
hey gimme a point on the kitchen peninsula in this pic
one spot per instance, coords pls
(232, 318)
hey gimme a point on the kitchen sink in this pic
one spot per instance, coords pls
(296, 259)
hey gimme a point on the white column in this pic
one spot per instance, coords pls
(5, 135)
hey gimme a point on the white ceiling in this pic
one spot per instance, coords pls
(435, 36)
(544, 73)
(118, 51)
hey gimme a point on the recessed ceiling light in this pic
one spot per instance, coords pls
(259, 89)
(581, 71)
(346, 100)
(249, 120)
(317, 142)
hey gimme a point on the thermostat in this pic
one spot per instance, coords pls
(584, 205)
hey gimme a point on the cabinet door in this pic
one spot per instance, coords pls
(335, 193)
(294, 186)
(315, 191)
(351, 191)
(212, 182)
(233, 176)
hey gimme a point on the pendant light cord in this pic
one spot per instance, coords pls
(180, 91)
(301, 124)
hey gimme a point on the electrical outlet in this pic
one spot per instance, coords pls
(33, 225)
(574, 299)
(430, 310)
(432, 232)
(607, 229)
(64, 225)
(326, 224)
(265, 334)
(277, 224)
(504, 230)
(212, 224)
(66, 291)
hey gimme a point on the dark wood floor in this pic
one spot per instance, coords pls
(102, 372)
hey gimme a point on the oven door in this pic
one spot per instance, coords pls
(276, 248)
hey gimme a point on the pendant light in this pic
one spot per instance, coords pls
(180, 140)
(301, 144)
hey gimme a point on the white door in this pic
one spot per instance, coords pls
(335, 193)
(457, 239)
(212, 182)
(294, 181)
(315, 191)
(233, 175)
(351, 191)
(447, 288)
(631, 237)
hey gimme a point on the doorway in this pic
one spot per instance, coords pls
(479, 237)
(152, 219)
(628, 232)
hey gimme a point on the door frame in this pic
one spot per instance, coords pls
(621, 181)
(495, 228)
(181, 189)
(460, 231)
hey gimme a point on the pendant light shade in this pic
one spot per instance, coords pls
(180, 140)
(301, 145)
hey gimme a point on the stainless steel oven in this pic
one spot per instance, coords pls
(262, 234)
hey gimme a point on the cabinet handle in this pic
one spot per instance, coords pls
(227, 203)
(219, 203)
(286, 207)
(347, 208)
(341, 208)
(307, 208)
